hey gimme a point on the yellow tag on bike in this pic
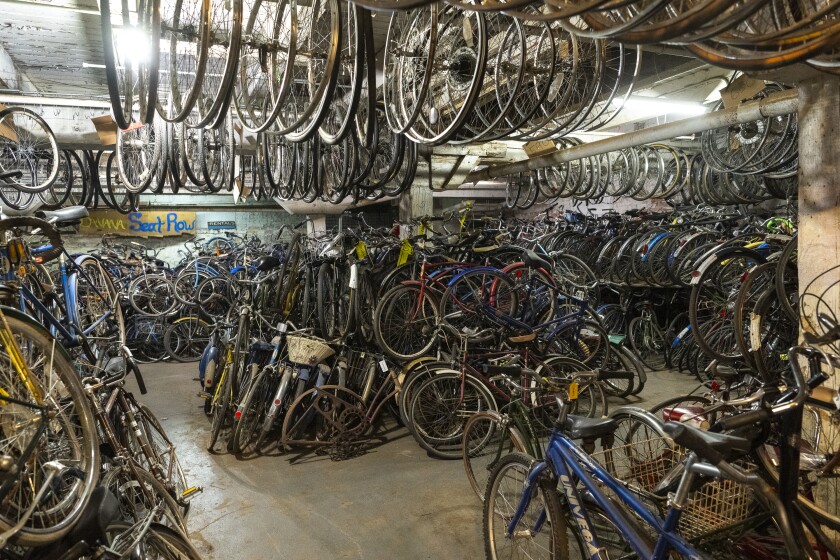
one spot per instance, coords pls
(421, 230)
(361, 250)
(465, 212)
(573, 391)
(405, 251)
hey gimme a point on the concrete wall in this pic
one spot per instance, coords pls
(264, 223)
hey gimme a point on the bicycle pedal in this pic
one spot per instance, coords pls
(190, 491)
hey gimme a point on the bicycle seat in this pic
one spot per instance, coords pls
(522, 338)
(710, 446)
(533, 260)
(267, 263)
(725, 373)
(64, 215)
(579, 427)
(102, 509)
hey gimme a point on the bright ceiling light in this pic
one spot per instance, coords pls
(134, 45)
(660, 106)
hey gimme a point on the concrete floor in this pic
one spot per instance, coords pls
(394, 502)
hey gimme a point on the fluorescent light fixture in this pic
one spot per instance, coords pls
(134, 45)
(89, 65)
(660, 106)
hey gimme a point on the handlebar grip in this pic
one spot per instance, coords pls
(501, 370)
(741, 420)
(137, 375)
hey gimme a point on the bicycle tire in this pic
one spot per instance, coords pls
(11, 119)
(446, 445)
(122, 481)
(220, 407)
(478, 443)
(68, 501)
(165, 451)
(500, 511)
(251, 412)
(186, 348)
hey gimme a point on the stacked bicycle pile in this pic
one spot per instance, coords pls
(745, 463)
(88, 470)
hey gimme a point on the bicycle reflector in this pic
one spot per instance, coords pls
(16, 253)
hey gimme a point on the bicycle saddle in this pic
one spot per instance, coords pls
(64, 215)
(579, 427)
(725, 373)
(91, 527)
(267, 263)
(710, 446)
(533, 260)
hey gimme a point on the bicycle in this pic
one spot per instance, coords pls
(539, 509)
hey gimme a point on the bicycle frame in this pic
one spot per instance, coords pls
(571, 464)
(72, 334)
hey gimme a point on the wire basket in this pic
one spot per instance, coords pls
(716, 506)
(308, 350)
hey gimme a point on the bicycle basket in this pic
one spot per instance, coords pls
(308, 350)
(716, 506)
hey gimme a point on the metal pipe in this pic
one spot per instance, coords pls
(774, 105)
(48, 101)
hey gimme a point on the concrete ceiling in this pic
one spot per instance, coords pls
(51, 44)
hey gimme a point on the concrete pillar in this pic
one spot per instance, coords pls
(819, 198)
(318, 224)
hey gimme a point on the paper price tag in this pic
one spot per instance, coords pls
(405, 251)
(573, 391)
(383, 365)
(361, 250)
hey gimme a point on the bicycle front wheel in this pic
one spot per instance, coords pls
(487, 438)
(70, 436)
(540, 533)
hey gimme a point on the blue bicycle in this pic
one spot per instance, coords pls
(524, 513)
(83, 310)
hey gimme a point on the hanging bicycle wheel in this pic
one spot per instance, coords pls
(266, 58)
(138, 155)
(411, 36)
(130, 68)
(460, 57)
(183, 56)
(28, 150)
(351, 61)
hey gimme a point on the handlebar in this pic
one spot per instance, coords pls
(791, 399)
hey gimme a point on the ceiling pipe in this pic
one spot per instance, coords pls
(774, 105)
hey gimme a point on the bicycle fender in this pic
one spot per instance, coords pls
(473, 269)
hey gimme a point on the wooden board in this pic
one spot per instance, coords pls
(139, 224)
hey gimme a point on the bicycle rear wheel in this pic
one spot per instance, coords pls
(139, 493)
(439, 409)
